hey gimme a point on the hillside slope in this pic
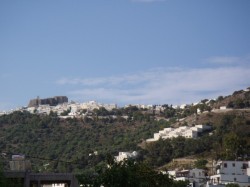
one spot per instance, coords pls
(66, 144)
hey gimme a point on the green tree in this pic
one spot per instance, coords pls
(159, 152)
(220, 98)
(125, 174)
(5, 182)
(65, 112)
(232, 146)
(232, 185)
(130, 173)
(2, 178)
(200, 164)
(180, 183)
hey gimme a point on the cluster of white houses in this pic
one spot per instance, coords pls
(75, 109)
(221, 173)
(224, 172)
(185, 131)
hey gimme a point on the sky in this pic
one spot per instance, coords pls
(123, 51)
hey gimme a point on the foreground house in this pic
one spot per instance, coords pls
(231, 172)
(196, 177)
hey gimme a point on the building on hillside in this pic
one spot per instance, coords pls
(175, 106)
(139, 106)
(18, 163)
(43, 109)
(196, 177)
(198, 111)
(159, 108)
(223, 107)
(31, 109)
(110, 107)
(231, 172)
(183, 106)
(190, 133)
(125, 155)
(185, 131)
(2, 113)
(91, 105)
(55, 185)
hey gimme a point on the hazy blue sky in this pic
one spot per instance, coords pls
(123, 51)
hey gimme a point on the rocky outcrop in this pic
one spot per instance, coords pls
(48, 101)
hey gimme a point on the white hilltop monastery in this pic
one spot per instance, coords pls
(73, 108)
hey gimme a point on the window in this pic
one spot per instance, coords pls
(235, 179)
(225, 165)
(233, 164)
(218, 179)
(244, 166)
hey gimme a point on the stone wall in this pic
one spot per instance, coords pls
(48, 101)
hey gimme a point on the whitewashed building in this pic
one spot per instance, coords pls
(231, 172)
(125, 155)
(223, 107)
(185, 131)
(196, 177)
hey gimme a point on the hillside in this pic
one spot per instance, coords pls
(69, 144)
(239, 99)
(47, 138)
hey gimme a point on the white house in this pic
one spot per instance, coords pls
(151, 140)
(198, 111)
(157, 136)
(110, 106)
(91, 105)
(190, 134)
(31, 109)
(231, 172)
(159, 108)
(175, 107)
(55, 185)
(125, 155)
(43, 109)
(185, 131)
(223, 107)
(183, 106)
(196, 129)
(203, 127)
(195, 176)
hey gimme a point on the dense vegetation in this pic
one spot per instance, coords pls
(229, 140)
(47, 138)
(127, 173)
